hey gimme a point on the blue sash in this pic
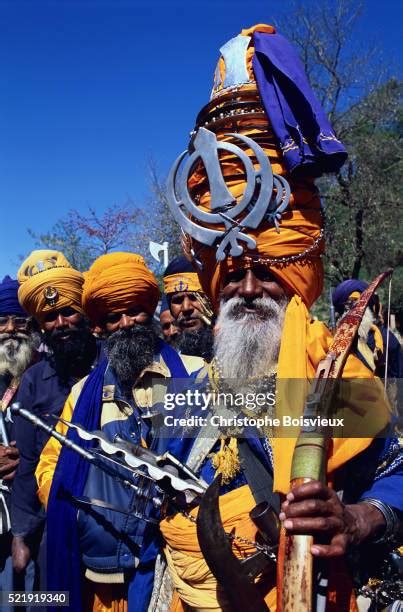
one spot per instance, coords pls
(64, 569)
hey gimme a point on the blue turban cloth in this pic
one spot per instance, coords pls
(342, 291)
(177, 265)
(9, 303)
(307, 140)
(164, 303)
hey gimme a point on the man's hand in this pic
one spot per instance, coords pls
(9, 459)
(314, 509)
(21, 554)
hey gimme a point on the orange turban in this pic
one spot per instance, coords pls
(48, 283)
(291, 250)
(117, 282)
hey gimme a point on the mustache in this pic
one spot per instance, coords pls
(262, 307)
(182, 317)
(4, 336)
(57, 334)
(137, 331)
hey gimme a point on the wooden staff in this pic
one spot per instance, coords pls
(295, 561)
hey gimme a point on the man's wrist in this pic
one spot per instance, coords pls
(391, 520)
(368, 522)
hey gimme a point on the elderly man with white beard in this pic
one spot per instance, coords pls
(19, 341)
(252, 226)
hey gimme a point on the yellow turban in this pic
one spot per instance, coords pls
(48, 283)
(116, 282)
(181, 281)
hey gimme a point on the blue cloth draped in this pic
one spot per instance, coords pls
(9, 303)
(63, 552)
(307, 140)
(164, 303)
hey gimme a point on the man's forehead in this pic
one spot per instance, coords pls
(180, 294)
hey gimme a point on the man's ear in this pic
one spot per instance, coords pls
(33, 326)
(97, 330)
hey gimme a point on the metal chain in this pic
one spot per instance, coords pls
(267, 550)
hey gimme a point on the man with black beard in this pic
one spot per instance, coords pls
(103, 557)
(19, 341)
(169, 330)
(50, 290)
(190, 308)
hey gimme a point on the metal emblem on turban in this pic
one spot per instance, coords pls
(259, 201)
(51, 295)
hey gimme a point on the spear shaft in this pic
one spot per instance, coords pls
(295, 562)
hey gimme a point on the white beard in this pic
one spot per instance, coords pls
(247, 344)
(17, 351)
(366, 324)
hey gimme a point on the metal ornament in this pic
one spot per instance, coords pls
(258, 202)
(51, 295)
(234, 56)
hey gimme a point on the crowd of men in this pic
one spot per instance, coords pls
(87, 354)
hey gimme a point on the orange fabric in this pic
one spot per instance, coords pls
(117, 282)
(194, 583)
(48, 269)
(181, 281)
(303, 278)
(304, 344)
(104, 597)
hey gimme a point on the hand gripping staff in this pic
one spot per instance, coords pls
(295, 562)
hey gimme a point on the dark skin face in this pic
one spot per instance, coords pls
(186, 310)
(10, 324)
(124, 320)
(9, 455)
(64, 318)
(250, 284)
(168, 327)
(311, 508)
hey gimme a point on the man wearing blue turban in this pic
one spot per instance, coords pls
(373, 333)
(19, 340)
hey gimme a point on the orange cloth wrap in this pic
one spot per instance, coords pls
(181, 281)
(304, 344)
(193, 581)
(117, 282)
(47, 268)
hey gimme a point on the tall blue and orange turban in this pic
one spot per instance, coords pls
(117, 282)
(9, 303)
(261, 93)
(48, 283)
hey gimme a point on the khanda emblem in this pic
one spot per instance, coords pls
(259, 201)
(181, 286)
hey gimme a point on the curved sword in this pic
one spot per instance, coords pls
(216, 548)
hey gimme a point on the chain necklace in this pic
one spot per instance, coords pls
(266, 550)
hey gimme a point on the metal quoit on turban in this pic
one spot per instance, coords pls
(266, 195)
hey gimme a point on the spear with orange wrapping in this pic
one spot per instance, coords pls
(294, 561)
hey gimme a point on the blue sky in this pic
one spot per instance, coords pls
(91, 89)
